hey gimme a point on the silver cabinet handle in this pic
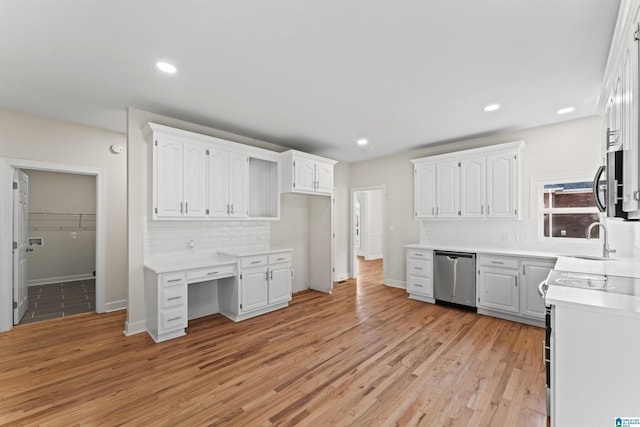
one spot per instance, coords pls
(255, 262)
(173, 319)
(418, 254)
(231, 209)
(497, 262)
(280, 259)
(186, 207)
(418, 268)
(416, 285)
(211, 273)
(174, 298)
(228, 209)
(482, 210)
(271, 275)
(180, 207)
(488, 210)
(433, 210)
(437, 210)
(516, 281)
(266, 276)
(174, 280)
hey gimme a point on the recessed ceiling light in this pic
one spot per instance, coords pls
(362, 141)
(566, 110)
(166, 67)
(491, 107)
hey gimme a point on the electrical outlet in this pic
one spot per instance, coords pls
(74, 234)
(191, 244)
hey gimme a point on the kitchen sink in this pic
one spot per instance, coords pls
(592, 257)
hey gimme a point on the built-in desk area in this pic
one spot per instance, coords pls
(245, 283)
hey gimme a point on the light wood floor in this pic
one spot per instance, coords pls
(366, 355)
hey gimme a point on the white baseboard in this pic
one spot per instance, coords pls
(115, 305)
(339, 277)
(132, 328)
(395, 283)
(50, 280)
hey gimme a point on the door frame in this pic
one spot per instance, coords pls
(7, 166)
(353, 264)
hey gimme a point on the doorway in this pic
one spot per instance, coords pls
(61, 231)
(8, 168)
(368, 229)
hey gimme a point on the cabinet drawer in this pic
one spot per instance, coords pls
(282, 257)
(173, 296)
(420, 253)
(419, 267)
(420, 285)
(173, 319)
(210, 273)
(173, 280)
(501, 262)
(254, 261)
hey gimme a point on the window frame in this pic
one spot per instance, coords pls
(538, 209)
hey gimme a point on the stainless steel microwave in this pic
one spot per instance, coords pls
(608, 182)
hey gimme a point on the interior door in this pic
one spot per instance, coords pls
(21, 246)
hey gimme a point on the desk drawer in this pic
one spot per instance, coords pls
(419, 267)
(420, 253)
(173, 319)
(253, 261)
(278, 258)
(210, 273)
(173, 296)
(174, 279)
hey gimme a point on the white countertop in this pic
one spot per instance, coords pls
(252, 251)
(488, 251)
(618, 304)
(170, 263)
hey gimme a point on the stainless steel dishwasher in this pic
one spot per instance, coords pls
(455, 278)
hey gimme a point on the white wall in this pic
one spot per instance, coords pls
(34, 138)
(550, 150)
(68, 253)
(342, 220)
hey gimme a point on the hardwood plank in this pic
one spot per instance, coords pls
(365, 355)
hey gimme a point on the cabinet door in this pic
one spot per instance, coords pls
(472, 187)
(253, 288)
(420, 286)
(502, 185)
(424, 188)
(195, 180)
(169, 177)
(238, 184)
(324, 178)
(279, 283)
(533, 272)
(629, 125)
(448, 187)
(499, 289)
(219, 183)
(304, 172)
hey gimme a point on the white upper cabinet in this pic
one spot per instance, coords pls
(228, 186)
(620, 98)
(448, 189)
(502, 185)
(477, 183)
(306, 173)
(473, 187)
(179, 178)
(424, 190)
(202, 177)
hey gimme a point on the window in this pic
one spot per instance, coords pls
(567, 210)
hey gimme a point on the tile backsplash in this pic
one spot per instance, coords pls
(174, 237)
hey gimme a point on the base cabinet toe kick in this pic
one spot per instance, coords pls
(246, 287)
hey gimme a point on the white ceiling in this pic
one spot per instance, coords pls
(310, 74)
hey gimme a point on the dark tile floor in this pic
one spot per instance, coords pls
(59, 300)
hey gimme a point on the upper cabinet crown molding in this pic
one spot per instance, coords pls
(477, 183)
(306, 173)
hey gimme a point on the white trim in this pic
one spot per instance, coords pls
(132, 328)
(396, 283)
(50, 280)
(6, 231)
(115, 305)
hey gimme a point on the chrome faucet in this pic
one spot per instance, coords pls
(605, 247)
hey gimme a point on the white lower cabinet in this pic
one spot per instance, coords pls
(264, 285)
(508, 287)
(166, 304)
(420, 274)
(533, 272)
